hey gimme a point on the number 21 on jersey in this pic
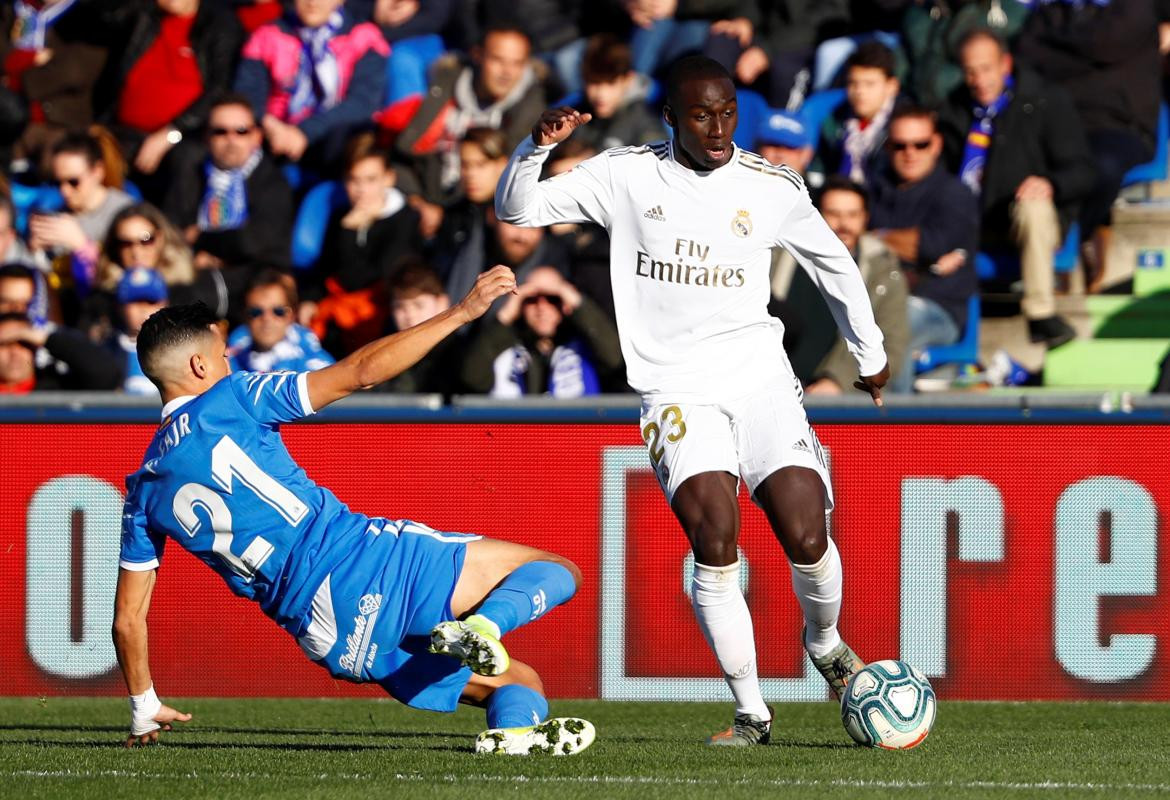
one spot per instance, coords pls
(230, 462)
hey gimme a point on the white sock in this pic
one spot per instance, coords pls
(818, 589)
(725, 621)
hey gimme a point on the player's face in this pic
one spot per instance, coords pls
(216, 359)
(915, 147)
(478, 173)
(501, 63)
(868, 89)
(410, 310)
(605, 97)
(703, 122)
(985, 70)
(269, 315)
(846, 215)
(16, 359)
(232, 136)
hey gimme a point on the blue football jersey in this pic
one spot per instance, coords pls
(219, 481)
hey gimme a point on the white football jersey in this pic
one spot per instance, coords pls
(689, 262)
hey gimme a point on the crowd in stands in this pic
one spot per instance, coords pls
(321, 172)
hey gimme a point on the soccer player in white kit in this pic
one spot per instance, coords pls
(692, 222)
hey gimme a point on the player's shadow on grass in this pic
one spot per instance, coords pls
(72, 728)
(177, 741)
(814, 745)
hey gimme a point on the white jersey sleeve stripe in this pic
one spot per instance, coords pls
(583, 194)
(131, 566)
(303, 393)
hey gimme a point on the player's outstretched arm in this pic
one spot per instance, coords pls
(391, 355)
(148, 715)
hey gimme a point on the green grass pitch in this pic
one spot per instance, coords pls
(64, 748)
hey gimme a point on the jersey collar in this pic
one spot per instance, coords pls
(173, 406)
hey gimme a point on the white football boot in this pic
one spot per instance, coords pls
(562, 736)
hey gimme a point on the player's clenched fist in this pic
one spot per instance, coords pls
(555, 125)
(496, 282)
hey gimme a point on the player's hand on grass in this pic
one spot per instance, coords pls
(496, 282)
(161, 721)
(873, 384)
(555, 125)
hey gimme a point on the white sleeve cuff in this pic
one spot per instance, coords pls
(141, 566)
(303, 393)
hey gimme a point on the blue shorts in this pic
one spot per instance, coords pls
(372, 616)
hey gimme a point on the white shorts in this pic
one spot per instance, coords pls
(750, 437)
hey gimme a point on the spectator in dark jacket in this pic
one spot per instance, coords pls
(853, 136)
(364, 244)
(1018, 144)
(1106, 55)
(179, 55)
(233, 204)
(416, 295)
(547, 338)
(500, 87)
(314, 77)
(87, 365)
(931, 222)
(52, 54)
(616, 97)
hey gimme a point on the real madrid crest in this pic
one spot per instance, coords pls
(741, 226)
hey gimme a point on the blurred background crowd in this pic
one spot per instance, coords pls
(321, 172)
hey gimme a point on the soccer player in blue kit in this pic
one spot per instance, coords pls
(394, 602)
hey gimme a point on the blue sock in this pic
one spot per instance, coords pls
(515, 706)
(528, 593)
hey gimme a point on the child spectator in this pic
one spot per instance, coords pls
(313, 77)
(363, 245)
(854, 135)
(616, 97)
(270, 340)
(416, 295)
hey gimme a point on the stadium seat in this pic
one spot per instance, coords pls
(1005, 264)
(816, 109)
(33, 198)
(1159, 168)
(131, 189)
(406, 69)
(752, 108)
(312, 219)
(964, 351)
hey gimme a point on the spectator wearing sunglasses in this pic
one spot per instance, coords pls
(546, 338)
(70, 361)
(234, 206)
(931, 222)
(79, 170)
(271, 340)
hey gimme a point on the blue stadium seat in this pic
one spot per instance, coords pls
(131, 189)
(752, 108)
(1005, 264)
(33, 198)
(816, 109)
(312, 219)
(406, 69)
(1159, 168)
(964, 351)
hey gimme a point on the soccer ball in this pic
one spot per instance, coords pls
(888, 704)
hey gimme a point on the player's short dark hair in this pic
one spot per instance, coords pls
(692, 68)
(842, 183)
(271, 276)
(168, 328)
(14, 269)
(914, 112)
(872, 55)
(607, 58)
(975, 34)
(413, 278)
(232, 99)
(80, 144)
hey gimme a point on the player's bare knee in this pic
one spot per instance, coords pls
(806, 540)
(714, 542)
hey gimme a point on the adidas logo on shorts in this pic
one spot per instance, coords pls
(655, 214)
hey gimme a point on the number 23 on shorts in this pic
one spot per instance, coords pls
(669, 427)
